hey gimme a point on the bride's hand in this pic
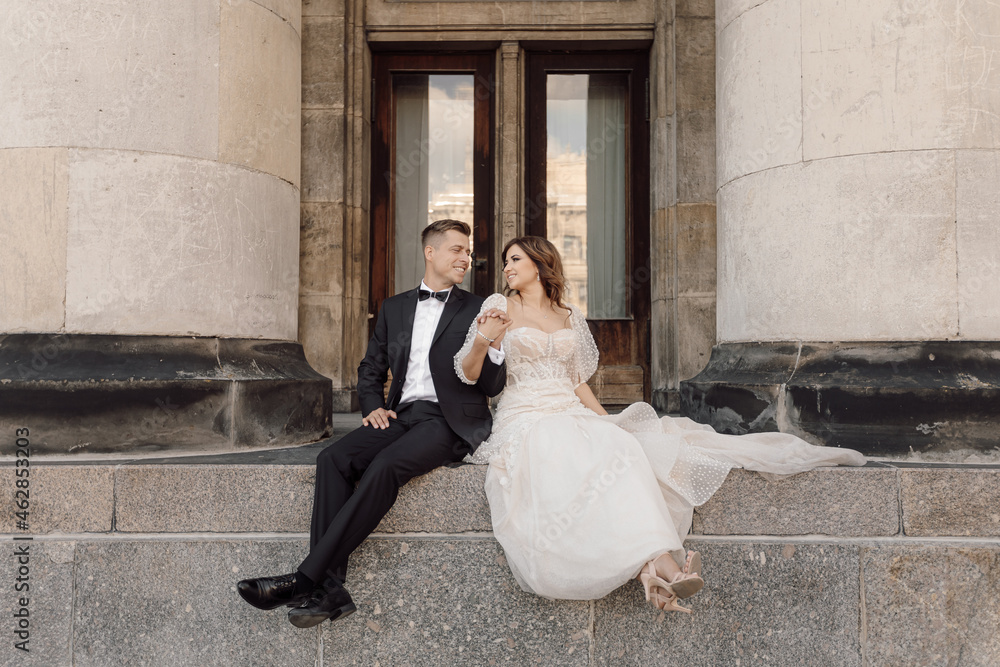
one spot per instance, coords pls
(494, 324)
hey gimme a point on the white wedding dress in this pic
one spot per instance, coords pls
(581, 501)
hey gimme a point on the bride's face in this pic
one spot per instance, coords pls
(518, 268)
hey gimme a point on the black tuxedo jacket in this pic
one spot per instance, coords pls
(464, 406)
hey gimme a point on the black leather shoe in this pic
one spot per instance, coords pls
(331, 601)
(271, 592)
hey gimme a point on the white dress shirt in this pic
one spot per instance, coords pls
(419, 385)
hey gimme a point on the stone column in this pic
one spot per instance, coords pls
(859, 244)
(150, 214)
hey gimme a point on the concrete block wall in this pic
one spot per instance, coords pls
(136, 563)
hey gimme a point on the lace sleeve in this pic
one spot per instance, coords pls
(585, 356)
(498, 301)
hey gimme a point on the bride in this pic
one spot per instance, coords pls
(582, 501)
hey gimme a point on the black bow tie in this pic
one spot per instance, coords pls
(426, 294)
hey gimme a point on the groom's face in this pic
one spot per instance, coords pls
(449, 261)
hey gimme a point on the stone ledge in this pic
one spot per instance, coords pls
(837, 501)
(213, 498)
(73, 499)
(449, 500)
(951, 502)
(279, 499)
(873, 501)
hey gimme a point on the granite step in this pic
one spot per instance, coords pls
(135, 562)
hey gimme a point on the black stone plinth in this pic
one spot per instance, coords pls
(878, 397)
(84, 394)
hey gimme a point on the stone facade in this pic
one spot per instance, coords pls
(338, 41)
(203, 169)
(185, 240)
(209, 174)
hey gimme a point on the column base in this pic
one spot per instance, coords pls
(346, 400)
(83, 393)
(666, 400)
(882, 398)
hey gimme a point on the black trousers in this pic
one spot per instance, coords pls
(379, 461)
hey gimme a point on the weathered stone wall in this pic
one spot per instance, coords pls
(337, 41)
(683, 196)
(326, 244)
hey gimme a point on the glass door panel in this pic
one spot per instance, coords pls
(433, 163)
(585, 158)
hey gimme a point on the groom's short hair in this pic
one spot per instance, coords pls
(433, 234)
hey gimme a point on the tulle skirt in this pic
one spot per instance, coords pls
(580, 502)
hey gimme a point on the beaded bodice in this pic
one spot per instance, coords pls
(543, 370)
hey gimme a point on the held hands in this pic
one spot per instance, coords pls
(378, 418)
(493, 324)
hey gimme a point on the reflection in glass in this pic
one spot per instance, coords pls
(433, 163)
(585, 187)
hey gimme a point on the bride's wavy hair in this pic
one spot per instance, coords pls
(548, 262)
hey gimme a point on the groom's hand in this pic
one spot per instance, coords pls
(493, 312)
(378, 418)
(493, 324)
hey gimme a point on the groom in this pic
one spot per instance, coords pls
(429, 419)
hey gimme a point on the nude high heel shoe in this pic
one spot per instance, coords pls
(651, 582)
(685, 585)
(658, 591)
(688, 581)
(670, 604)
